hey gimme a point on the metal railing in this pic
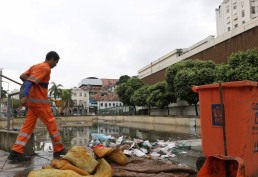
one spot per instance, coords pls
(9, 100)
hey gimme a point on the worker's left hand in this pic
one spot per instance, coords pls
(24, 101)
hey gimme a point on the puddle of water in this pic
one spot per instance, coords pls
(78, 133)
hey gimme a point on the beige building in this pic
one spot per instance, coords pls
(233, 13)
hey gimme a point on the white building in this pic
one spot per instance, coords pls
(101, 93)
(233, 13)
(80, 97)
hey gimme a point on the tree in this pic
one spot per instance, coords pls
(160, 96)
(66, 97)
(241, 66)
(123, 79)
(127, 89)
(16, 103)
(55, 90)
(183, 75)
(139, 97)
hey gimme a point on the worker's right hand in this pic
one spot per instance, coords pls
(24, 101)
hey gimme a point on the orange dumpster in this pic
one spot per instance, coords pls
(237, 136)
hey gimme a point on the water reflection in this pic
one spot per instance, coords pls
(78, 133)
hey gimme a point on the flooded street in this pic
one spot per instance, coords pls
(78, 133)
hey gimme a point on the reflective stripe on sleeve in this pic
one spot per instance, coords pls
(55, 135)
(24, 76)
(57, 142)
(20, 142)
(24, 134)
(34, 79)
(35, 100)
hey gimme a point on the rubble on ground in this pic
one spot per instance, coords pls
(106, 156)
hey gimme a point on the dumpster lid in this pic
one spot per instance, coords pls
(243, 83)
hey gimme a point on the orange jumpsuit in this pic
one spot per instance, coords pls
(38, 106)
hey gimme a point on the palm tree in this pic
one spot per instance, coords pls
(67, 98)
(55, 90)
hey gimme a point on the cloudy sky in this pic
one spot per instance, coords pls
(100, 38)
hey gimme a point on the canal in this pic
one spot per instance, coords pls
(79, 133)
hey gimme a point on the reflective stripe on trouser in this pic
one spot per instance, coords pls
(46, 116)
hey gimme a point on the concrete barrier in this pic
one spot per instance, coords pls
(8, 138)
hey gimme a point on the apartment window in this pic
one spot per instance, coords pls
(235, 16)
(228, 28)
(236, 25)
(227, 9)
(109, 104)
(113, 104)
(243, 13)
(253, 9)
(234, 6)
(101, 104)
(243, 22)
(105, 105)
(242, 3)
(80, 93)
(228, 20)
(85, 95)
(74, 94)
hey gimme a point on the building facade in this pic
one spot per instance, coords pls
(101, 94)
(233, 13)
(80, 99)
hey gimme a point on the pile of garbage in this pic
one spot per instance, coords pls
(159, 149)
(106, 156)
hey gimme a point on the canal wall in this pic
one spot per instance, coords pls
(175, 121)
(162, 120)
(8, 138)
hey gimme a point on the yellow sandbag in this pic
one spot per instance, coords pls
(103, 169)
(102, 151)
(66, 165)
(53, 173)
(47, 167)
(57, 163)
(81, 158)
(118, 156)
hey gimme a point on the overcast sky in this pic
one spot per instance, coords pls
(100, 38)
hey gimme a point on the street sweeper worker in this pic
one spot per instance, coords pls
(35, 97)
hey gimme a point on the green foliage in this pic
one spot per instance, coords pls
(183, 75)
(66, 96)
(123, 79)
(55, 90)
(127, 89)
(139, 97)
(16, 103)
(160, 96)
(3, 93)
(241, 66)
(183, 85)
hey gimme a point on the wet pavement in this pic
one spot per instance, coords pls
(22, 169)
